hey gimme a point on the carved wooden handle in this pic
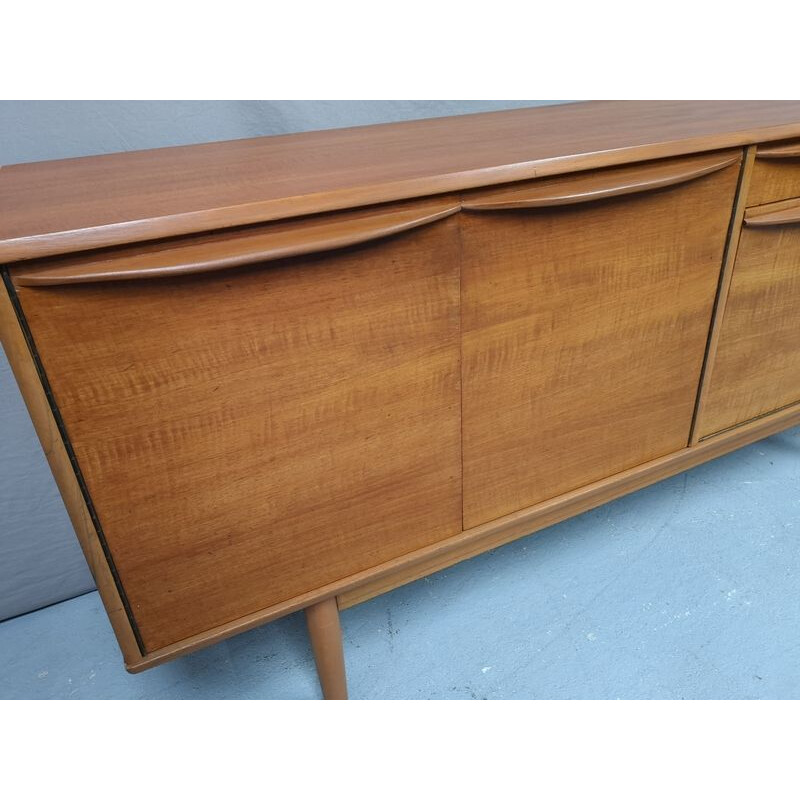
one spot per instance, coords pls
(791, 150)
(599, 185)
(762, 217)
(222, 251)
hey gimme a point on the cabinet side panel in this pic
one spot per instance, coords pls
(50, 436)
(585, 329)
(252, 435)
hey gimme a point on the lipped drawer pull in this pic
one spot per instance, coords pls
(226, 250)
(600, 185)
(762, 217)
(791, 150)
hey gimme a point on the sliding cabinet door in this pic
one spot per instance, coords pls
(250, 434)
(586, 305)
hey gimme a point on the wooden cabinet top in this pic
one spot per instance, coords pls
(54, 207)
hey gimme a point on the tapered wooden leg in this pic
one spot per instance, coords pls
(326, 642)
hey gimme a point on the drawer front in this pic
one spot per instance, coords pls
(257, 432)
(776, 173)
(756, 368)
(585, 326)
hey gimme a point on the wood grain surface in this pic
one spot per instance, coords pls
(757, 365)
(483, 538)
(584, 333)
(361, 586)
(77, 204)
(325, 633)
(269, 416)
(776, 174)
(223, 250)
(25, 371)
(729, 260)
(601, 184)
(780, 150)
(786, 212)
(250, 435)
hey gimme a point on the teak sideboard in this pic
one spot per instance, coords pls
(295, 372)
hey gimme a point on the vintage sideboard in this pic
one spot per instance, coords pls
(295, 372)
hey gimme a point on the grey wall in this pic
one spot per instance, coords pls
(36, 131)
(40, 562)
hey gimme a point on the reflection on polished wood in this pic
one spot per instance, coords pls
(294, 372)
(583, 344)
(119, 198)
(757, 367)
(249, 435)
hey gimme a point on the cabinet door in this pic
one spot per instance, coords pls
(587, 302)
(756, 368)
(250, 433)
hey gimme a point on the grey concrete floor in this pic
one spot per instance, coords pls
(686, 589)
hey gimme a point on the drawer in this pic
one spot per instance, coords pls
(259, 413)
(756, 368)
(776, 173)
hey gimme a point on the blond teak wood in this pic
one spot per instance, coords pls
(76, 204)
(22, 363)
(776, 174)
(780, 150)
(757, 366)
(326, 642)
(601, 184)
(251, 421)
(784, 213)
(583, 343)
(252, 434)
(506, 529)
(252, 245)
(724, 288)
